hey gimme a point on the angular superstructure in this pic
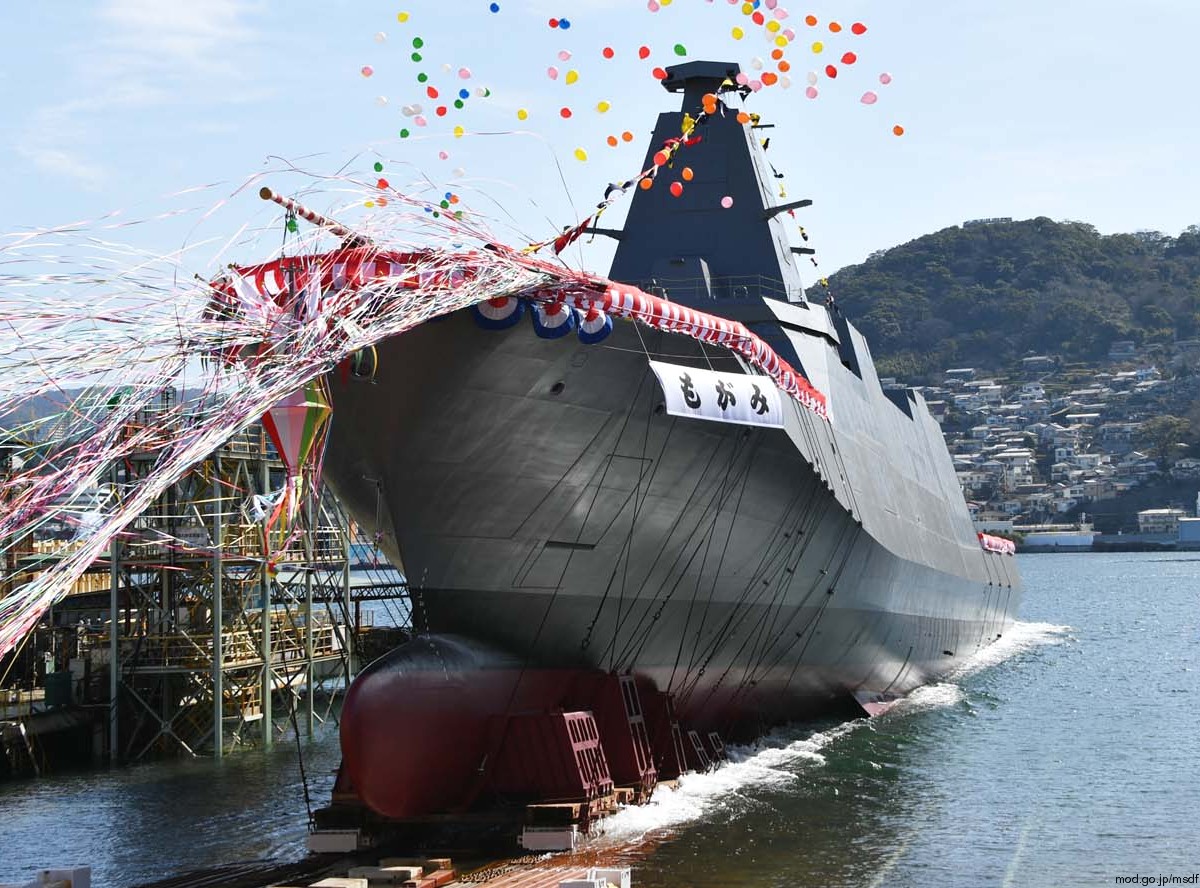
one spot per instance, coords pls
(558, 525)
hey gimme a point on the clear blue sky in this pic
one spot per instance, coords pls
(1073, 109)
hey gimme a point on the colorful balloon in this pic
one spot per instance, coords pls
(869, 98)
(572, 76)
(858, 28)
(727, 201)
(580, 154)
(885, 78)
(367, 70)
(897, 130)
(687, 174)
(676, 189)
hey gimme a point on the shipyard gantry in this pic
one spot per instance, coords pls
(225, 630)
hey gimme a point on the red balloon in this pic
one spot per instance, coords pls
(849, 58)
(659, 74)
(644, 52)
(676, 188)
(554, 23)
(608, 52)
(757, 18)
(858, 28)
(830, 72)
(564, 113)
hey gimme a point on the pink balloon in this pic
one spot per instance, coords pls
(564, 55)
(419, 120)
(885, 78)
(743, 78)
(756, 85)
(727, 201)
(443, 155)
(464, 73)
(869, 98)
(811, 92)
(552, 72)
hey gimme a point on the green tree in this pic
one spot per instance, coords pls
(1163, 438)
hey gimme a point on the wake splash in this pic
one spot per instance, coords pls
(777, 760)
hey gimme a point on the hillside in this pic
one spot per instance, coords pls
(985, 295)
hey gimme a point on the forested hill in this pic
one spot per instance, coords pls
(987, 294)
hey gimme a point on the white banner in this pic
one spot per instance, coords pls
(723, 397)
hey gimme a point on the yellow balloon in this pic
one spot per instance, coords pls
(402, 16)
(458, 132)
(572, 76)
(602, 107)
(738, 33)
(818, 46)
(747, 8)
(522, 114)
(781, 40)
(580, 154)
(773, 25)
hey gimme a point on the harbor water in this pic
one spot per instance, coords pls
(1064, 756)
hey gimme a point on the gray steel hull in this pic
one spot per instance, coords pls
(540, 501)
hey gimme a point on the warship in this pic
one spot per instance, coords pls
(613, 572)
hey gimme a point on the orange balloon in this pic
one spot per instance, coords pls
(687, 174)
(627, 136)
(646, 184)
(810, 20)
(743, 117)
(785, 66)
(769, 78)
(612, 140)
(834, 27)
(897, 130)
(777, 54)
(709, 99)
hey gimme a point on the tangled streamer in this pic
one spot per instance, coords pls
(116, 334)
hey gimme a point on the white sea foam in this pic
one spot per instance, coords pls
(773, 761)
(765, 764)
(1020, 637)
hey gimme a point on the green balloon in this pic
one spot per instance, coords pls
(680, 49)
(378, 167)
(418, 43)
(404, 134)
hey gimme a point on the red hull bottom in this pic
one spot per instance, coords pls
(441, 727)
